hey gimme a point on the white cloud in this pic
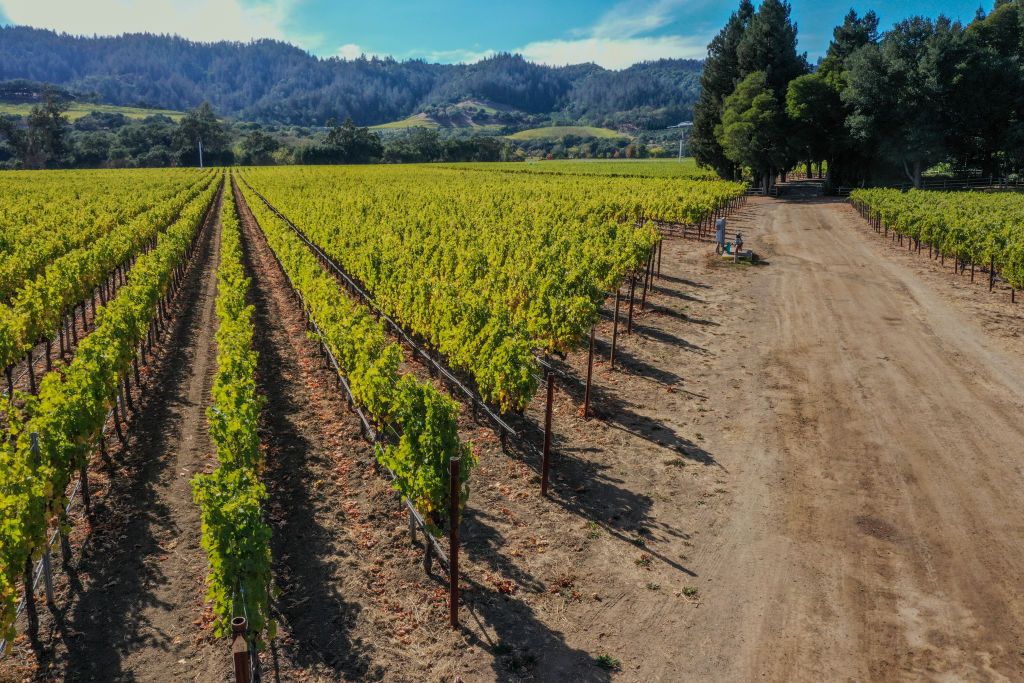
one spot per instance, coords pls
(619, 39)
(614, 53)
(629, 19)
(459, 56)
(350, 51)
(203, 20)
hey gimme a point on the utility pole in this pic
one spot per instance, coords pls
(683, 127)
(201, 152)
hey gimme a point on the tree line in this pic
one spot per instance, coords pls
(47, 139)
(880, 107)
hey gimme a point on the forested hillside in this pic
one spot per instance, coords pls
(273, 82)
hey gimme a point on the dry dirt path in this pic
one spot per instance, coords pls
(875, 448)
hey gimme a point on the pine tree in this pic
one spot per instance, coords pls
(719, 79)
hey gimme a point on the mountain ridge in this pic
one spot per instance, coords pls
(270, 81)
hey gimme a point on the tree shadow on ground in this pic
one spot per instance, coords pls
(522, 646)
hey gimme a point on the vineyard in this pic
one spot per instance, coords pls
(975, 228)
(485, 279)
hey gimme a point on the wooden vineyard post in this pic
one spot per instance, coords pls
(661, 243)
(632, 291)
(590, 372)
(86, 501)
(453, 544)
(615, 329)
(545, 463)
(991, 273)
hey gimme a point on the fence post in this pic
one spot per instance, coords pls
(30, 601)
(632, 291)
(647, 278)
(615, 329)
(48, 577)
(545, 464)
(453, 544)
(240, 650)
(590, 372)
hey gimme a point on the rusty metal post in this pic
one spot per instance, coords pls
(545, 463)
(240, 650)
(86, 499)
(615, 330)
(632, 292)
(590, 372)
(30, 601)
(453, 543)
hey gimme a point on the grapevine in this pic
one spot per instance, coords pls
(424, 419)
(235, 536)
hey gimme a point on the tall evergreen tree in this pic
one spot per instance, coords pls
(754, 127)
(769, 45)
(719, 79)
(200, 126)
(854, 33)
(814, 102)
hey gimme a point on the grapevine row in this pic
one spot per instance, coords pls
(487, 268)
(46, 215)
(424, 420)
(973, 227)
(231, 498)
(71, 407)
(37, 310)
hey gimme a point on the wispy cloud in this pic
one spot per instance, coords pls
(204, 20)
(629, 19)
(620, 37)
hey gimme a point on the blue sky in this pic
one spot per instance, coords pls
(613, 33)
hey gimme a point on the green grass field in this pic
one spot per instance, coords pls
(79, 109)
(417, 120)
(555, 132)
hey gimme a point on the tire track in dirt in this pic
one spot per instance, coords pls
(878, 474)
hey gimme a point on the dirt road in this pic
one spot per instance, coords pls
(876, 457)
